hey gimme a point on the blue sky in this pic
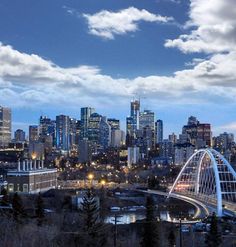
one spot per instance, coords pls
(178, 55)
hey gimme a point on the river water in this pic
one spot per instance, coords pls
(184, 209)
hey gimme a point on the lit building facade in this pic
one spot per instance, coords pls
(19, 135)
(33, 133)
(133, 156)
(47, 127)
(99, 132)
(62, 132)
(159, 131)
(31, 177)
(199, 134)
(147, 127)
(114, 123)
(5, 126)
(132, 123)
(85, 114)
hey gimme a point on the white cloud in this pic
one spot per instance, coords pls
(107, 24)
(171, 1)
(29, 80)
(213, 27)
(229, 127)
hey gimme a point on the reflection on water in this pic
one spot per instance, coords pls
(165, 216)
(127, 217)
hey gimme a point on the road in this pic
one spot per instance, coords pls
(202, 210)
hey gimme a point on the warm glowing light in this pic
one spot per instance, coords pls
(103, 182)
(90, 176)
(34, 156)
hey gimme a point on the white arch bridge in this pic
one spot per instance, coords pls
(208, 178)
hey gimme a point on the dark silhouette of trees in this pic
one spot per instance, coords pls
(213, 237)
(18, 208)
(93, 228)
(5, 198)
(150, 234)
(39, 209)
(171, 238)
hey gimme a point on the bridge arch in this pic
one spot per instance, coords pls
(208, 177)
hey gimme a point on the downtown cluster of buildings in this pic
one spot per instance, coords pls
(92, 134)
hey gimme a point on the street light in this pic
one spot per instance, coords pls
(103, 182)
(34, 156)
(90, 177)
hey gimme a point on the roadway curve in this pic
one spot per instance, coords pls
(201, 210)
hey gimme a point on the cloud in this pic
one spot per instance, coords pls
(28, 80)
(107, 24)
(229, 127)
(171, 1)
(212, 26)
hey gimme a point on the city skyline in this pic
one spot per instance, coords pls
(149, 116)
(60, 56)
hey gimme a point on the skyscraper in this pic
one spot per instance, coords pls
(33, 133)
(62, 132)
(147, 127)
(114, 123)
(19, 135)
(5, 126)
(134, 113)
(199, 134)
(85, 115)
(105, 134)
(47, 127)
(99, 131)
(72, 132)
(132, 123)
(78, 136)
(159, 131)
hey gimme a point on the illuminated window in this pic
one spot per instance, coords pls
(25, 187)
(10, 187)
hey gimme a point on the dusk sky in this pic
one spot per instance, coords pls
(178, 56)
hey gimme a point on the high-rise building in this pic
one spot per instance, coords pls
(105, 134)
(199, 134)
(146, 119)
(134, 113)
(129, 133)
(94, 128)
(85, 115)
(84, 150)
(62, 132)
(72, 132)
(78, 132)
(117, 138)
(183, 152)
(19, 135)
(133, 156)
(132, 123)
(114, 123)
(5, 126)
(99, 131)
(173, 138)
(147, 128)
(159, 131)
(33, 133)
(47, 130)
(224, 142)
(167, 150)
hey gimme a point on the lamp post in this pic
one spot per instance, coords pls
(103, 182)
(90, 177)
(180, 231)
